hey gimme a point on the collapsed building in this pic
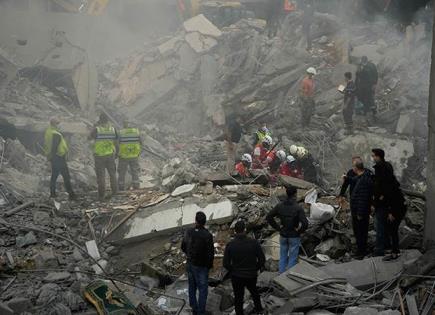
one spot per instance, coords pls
(178, 90)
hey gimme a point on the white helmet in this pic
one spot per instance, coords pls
(312, 71)
(290, 159)
(268, 140)
(302, 152)
(281, 155)
(293, 149)
(247, 158)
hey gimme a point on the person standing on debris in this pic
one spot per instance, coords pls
(105, 137)
(261, 152)
(306, 97)
(130, 148)
(307, 20)
(290, 168)
(243, 258)
(232, 135)
(56, 150)
(361, 198)
(366, 80)
(348, 181)
(242, 168)
(349, 103)
(389, 205)
(293, 222)
(260, 135)
(198, 246)
(275, 11)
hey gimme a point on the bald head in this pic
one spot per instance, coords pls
(54, 121)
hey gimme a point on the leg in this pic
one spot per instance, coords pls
(380, 231)
(295, 243)
(135, 171)
(100, 171)
(111, 169)
(122, 170)
(365, 232)
(192, 289)
(356, 232)
(251, 285)
(283, 254)
(239, 294)
(66, 177)
(202, 283)
(393, 234)
(54, 175)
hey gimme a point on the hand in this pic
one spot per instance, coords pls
(341, 201)
(381, 198)
(391, 218)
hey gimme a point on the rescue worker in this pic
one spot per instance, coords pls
(274, 13)
(130, 148)
(105, 137)
(349, 103)
(242, 168)
(260, 135)
(306, 97)
(290, 168)
(307, 20)
(274, 160)
(56, 150)
(307, 164)
(366, 80)
(232, 135)
(261, 152)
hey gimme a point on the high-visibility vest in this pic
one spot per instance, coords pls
(129, 143)
(62, 148)
(261, 135)
(105, 141)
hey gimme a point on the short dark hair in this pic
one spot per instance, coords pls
(359, 165)
(379, 152)
(200, 218)
(348, 75)
(291, 191)
(240, 227)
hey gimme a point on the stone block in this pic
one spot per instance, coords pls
(201, 25)
(184, 190)
(354, 310)
(41, 218)
(200, 43)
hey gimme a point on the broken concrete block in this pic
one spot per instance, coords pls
(200, 43)
(45, 259)
(19, 305)
(360, 274)
(41, 218)
(184, 190)
(168, 47)
(77, 255)
(271, 246)
(99, 269)
(26, 240)
(332, 247)
(321, 212)
(354, 310)
(202, 25)
(296, 182)
(57, 276)
(92, 249)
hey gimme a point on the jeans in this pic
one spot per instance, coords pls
(381, 222)
(59, 167)
(392, 234)
(239, 285)
(360, 230)
(198, 280)
(289, 252)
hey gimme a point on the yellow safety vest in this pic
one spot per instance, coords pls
(129, 143)
(261, 135)
(105, 141)
(62, 148)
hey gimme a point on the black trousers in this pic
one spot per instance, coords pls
(392, 234)
(360, 227)
(59, 167)
(239, 285)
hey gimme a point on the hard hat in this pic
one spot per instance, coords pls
(247, 158)
(302, 152)
(312, 71)
(281, 155)
(268, 140)
(293, 149)
(264, 129)
(290, 159)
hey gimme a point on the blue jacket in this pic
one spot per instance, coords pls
(362, 193)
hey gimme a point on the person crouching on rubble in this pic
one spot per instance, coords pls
(274, 161)
(198, 246)
(242, 168)
(290, 168)
(306, 162)
(243, 258)
(261, 152)
(56, 150)
(293, 222)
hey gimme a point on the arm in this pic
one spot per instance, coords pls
(227, 258)
(346, 183)
(270, 218)
(303, 222)
(184, 242)
(210, 251)
(54, 144)
(261, 259)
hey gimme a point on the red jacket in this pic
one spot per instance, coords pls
(292, 171)
(242, 170)
(259, 156)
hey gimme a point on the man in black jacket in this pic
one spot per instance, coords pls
(366, 80)
(347, 181)
(243, 258)
(292, 223)
(198, 247)
(360, 203)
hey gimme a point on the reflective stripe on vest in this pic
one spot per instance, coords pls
(62, 148)
(129, 143)
(105, 141)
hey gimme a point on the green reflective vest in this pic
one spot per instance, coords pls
(129, 143)
(261, 135)
(62, 148)
(105, 141)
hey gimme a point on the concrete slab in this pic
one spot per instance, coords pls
(200, 43)
(296, 182)
(364, 273)
(183, 190)
(172, 216)
(202, 25)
